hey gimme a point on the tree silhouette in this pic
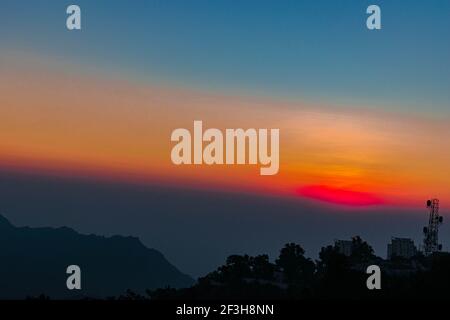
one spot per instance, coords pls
(331, 261)
(295, 267)
(361, 250)
(334, 275)
(262, 268)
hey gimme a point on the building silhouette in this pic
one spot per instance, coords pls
(344, 247)
(401, 247)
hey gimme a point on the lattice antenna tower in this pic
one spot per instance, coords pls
(431, 239)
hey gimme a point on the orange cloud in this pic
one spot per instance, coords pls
(51, 119)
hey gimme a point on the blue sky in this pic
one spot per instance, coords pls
(306, 50)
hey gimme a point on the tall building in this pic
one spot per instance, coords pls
(344, 247)
(401, 247)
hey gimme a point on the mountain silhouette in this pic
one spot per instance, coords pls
(33, 261)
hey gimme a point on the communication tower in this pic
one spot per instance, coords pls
(430, 241)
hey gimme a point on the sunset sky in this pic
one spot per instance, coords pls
(363, 115)
(69, 122)
(358, 111)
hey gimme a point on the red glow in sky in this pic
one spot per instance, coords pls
(340, 196)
